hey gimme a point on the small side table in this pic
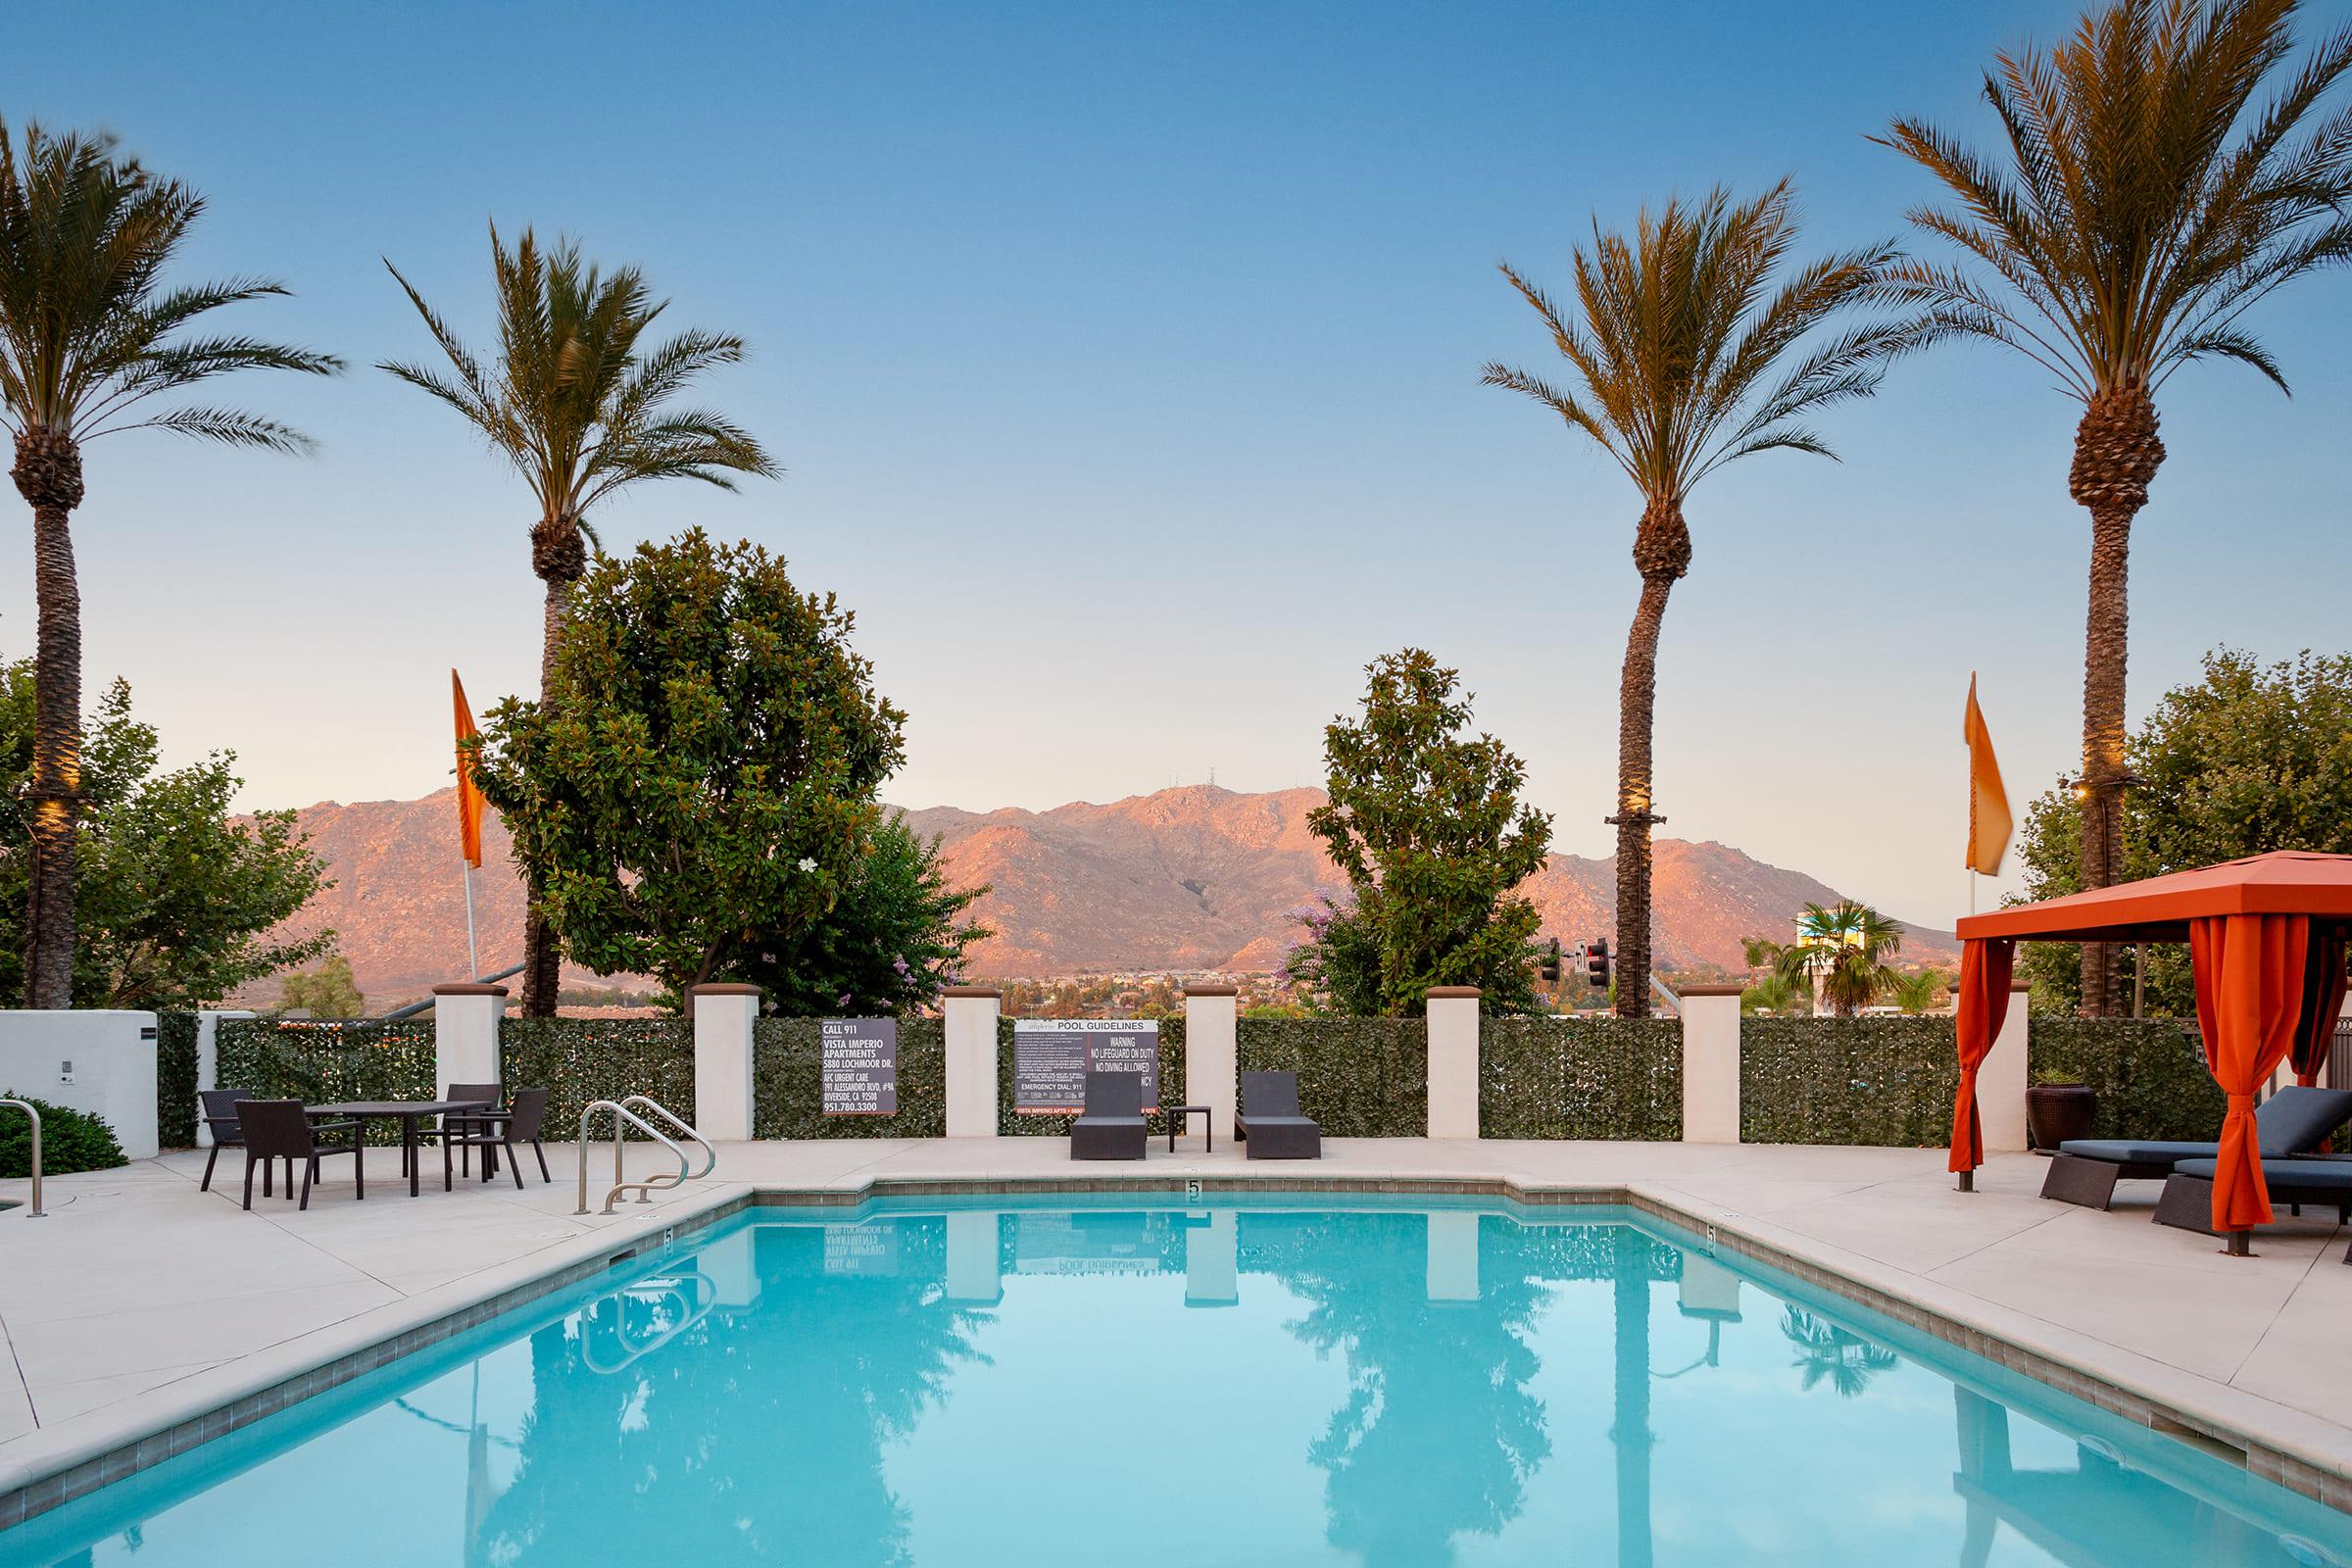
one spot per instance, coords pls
(1176, 1115)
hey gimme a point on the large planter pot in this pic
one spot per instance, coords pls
(2056, 1112)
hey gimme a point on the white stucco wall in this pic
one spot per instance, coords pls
(113, 1071)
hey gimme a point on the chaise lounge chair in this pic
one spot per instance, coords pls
(2293, 1121)
(1113, 1127)
(2187, 1200)
(1270, 1121)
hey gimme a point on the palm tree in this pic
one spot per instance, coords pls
(88, 336)
(2139, 207)
(1916, 992)
(1840, 953)
(581, 411)
(1683, 363)
(1776, 994)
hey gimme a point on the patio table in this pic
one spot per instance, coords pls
(408, 1113)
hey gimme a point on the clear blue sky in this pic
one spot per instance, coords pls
(1124, 360)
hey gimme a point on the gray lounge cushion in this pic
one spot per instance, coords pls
(2285, 1175)
(2293, 1121)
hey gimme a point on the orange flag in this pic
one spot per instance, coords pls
(1989, 819)
(469, 792)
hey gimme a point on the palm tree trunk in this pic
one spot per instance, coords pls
(2117, 453)
(1662, 552)
(560, 557)
(48, 475)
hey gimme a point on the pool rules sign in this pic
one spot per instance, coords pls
(1052, 1056)
(861, 1059)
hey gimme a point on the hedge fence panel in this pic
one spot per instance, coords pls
(788, 1083)
(1885, 1081)
(2150, 1074)
(1558, 1077)
(322, 1062)
(176, 1080)
(1012, 1125)
(585, 1060)
(1357, 1077)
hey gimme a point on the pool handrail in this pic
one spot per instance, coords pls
(650, 1104)
(623, 1117)
(37, 1212)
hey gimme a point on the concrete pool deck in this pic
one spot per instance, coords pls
(142, 1316)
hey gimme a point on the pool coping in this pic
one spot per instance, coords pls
(56, 1465)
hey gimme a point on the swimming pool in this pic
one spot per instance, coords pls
(1272, 1379)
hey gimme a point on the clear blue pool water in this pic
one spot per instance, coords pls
(995, 1383)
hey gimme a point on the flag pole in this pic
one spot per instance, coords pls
(473, 960)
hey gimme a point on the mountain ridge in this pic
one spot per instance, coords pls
(1192, 878)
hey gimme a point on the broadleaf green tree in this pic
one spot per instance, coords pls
(2249, 759)
(583, 410)
(895, 934)
(180, 899)
(2142, 202)
(327, 992)
(1425, 822)
(88, 336)
(701, 777)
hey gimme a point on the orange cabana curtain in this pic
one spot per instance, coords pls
(2249, 1004)
(1985, 965)
(2323, 1001)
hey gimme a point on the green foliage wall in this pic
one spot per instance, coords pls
(788, 1083)
(2150, 1074)
(1879, 1081)
(584, 1059)
(1357, 1077)
(1547, 1077)
(320, 1064)
(1009, 1126)
(175, 1079)
(71, 1140)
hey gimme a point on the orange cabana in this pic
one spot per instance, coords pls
(2267, 940)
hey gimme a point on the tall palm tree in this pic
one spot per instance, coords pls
(1839, 953)
(88, 335)
(2139, 207)
(581, 411)
(1687, 357)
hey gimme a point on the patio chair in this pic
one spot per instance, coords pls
(1270, 1121)
(2187, 1200)
(496, 1130)
(276, 1129)
(1113, 1127)
(221, 1120)
(463, 1123)
(2295, 1120)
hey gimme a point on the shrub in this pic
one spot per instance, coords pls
(71, 1140)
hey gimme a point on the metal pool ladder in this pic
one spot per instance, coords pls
(35, 1212)
(623, 1118)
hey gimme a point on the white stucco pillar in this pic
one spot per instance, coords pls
(207, 1062)
(1453, 1061)
(1212, 1261)
(971, 1030)
(1710, 1064)
(1452, 1256)
(99, 1060)
(975, 1258)
(723, 1015)
(2001, 1082)
(1212, 1054)
(465, 1020)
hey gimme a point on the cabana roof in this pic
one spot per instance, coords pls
(2159, 908)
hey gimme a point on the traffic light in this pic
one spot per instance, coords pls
(1550, 968)
(1596, 963)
